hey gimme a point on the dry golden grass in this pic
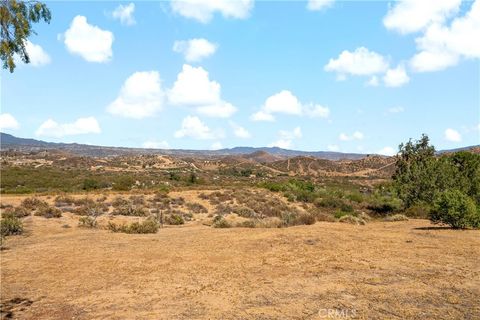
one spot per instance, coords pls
(383, 270)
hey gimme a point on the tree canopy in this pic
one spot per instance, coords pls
(16, 18)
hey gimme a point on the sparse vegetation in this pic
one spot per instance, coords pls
(48, 212)
(147, 226)
(10, 225)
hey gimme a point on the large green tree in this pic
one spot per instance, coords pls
(16, 19)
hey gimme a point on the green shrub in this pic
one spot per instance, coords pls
(90, 184)
(48, 212)
(384, 204)
(10, 225)
(175, 219)
(456, 209)
(332, 202)
(420, 211)
(340, 213)
(355, 197)
(87, 222)
(220, 222)
(123, 183)
(147, 226)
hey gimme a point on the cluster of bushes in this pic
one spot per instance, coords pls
(147, 226)
(446, 186)
(10, 224)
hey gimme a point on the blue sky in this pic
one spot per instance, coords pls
(348, 76)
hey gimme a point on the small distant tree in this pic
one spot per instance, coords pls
(192, 178)
(16, 18)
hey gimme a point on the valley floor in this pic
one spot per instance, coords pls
(383, 270)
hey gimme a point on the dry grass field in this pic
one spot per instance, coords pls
(381, 270)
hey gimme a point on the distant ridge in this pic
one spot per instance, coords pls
(8, 141)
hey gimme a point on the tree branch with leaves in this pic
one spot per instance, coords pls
(16, 19)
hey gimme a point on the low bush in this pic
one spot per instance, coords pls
(10, 225)
(147, 226)
(270, 222)
(396, 217)
(137, 200)
(322, 216)
(87, 222)
(33, 203)
(131, 210)
(244, 212)
(174, 219)
(340, 213)
(246, 224)
(220, 222)
(355, 197)
(333, 203)
(196, 207)
(382, 205)
(419, 211)
(64, 201)
(305, 218)
(352, 220)
(19, 212)
(84, 202)
(456, 209)
(48, 212)
(120, 202)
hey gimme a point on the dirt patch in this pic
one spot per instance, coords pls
(382, 270)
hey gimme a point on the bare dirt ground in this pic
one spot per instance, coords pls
(383, 270)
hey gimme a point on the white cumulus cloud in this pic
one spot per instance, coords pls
(361, 62)
(285, 102)
(88, 41)
(203, 10)
(333, 148)
(216, 146)
(452, 135)
(51, 128)
(443, 46)
(357, 135)
(286, 138)
(408, 16)
(396, 77)
(387, 151)
(141, 96)
(8, 122)
(239, 131)
(124, 13)
(195, 50)
(193, 127)
(317, 5)
(194, 89)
